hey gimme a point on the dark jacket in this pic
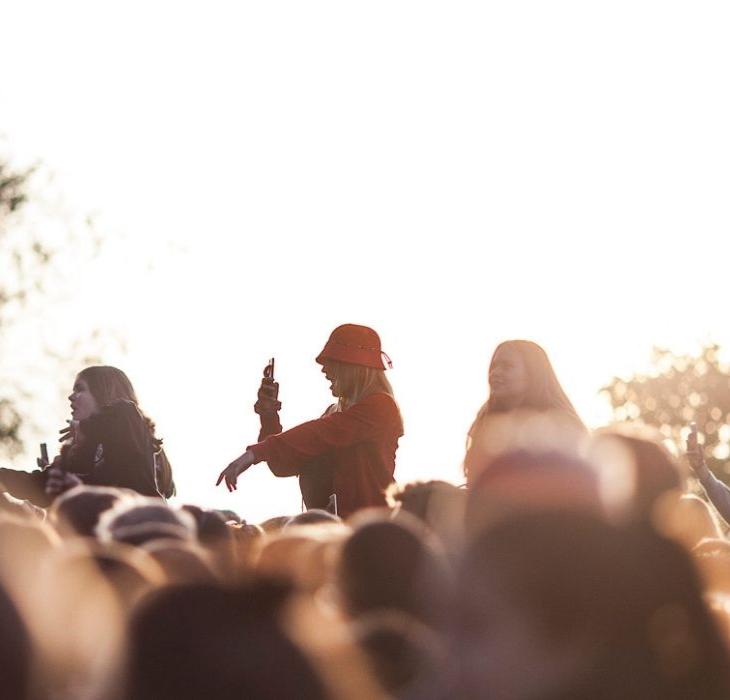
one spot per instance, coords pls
(118, 449)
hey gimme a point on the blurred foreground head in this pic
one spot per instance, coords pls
(15, 650)
(637, 469)
(523, 430)
(77, 511)
(438, 504)
(523, 481)
(203, 641)
(565, 605)
(393, 565)
(140, 520)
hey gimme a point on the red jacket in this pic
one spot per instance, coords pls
(359, 442)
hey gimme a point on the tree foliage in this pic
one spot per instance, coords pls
(36, 238)
(680, 389)
(13, 195)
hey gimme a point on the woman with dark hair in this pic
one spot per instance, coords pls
(348, 452)
(109, 442)
(521, 379)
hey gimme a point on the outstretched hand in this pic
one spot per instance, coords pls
(235, 469)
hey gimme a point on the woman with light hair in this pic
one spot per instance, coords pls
(522, 383)
(350, 451)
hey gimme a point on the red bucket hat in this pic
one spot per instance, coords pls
(356, 345)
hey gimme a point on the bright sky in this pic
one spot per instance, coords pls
(451, 173)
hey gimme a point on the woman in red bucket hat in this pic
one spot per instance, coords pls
(350, 450)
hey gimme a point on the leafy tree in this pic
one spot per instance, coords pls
(13, 184)
(35, 237)
(679, 390)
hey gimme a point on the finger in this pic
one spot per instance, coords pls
(220, 478)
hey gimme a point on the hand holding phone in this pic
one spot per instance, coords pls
(42, 461)
(268, 394)
(694, 451)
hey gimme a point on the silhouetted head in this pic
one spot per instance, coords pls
(312, 517)
(523, 481)
(353, 362)
(15, 650)
(400, 650)
(438, 504)
(182, 561)
(141, 520)
(77, 512)
(203, 641)
(99, 386)
(393, 565)
(651, 471)
(590, 609)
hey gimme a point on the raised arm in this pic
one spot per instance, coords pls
(716, 490)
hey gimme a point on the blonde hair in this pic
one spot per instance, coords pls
(356, 382)
(544, 392)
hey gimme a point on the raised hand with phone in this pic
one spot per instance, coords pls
(268, 394)
(267, 404)
(717, 491)
(349, 451)
(695, 455)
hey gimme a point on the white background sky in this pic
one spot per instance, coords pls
(451, 173)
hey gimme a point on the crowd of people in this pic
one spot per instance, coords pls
(571, 564)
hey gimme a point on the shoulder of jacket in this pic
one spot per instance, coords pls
(380, 402)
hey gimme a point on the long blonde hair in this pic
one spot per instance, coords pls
(356, 382)
(544, 392)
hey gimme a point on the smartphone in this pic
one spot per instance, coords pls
(269, 370)
(44, 453)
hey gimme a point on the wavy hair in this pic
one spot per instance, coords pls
(109, 384)
(544, 392)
